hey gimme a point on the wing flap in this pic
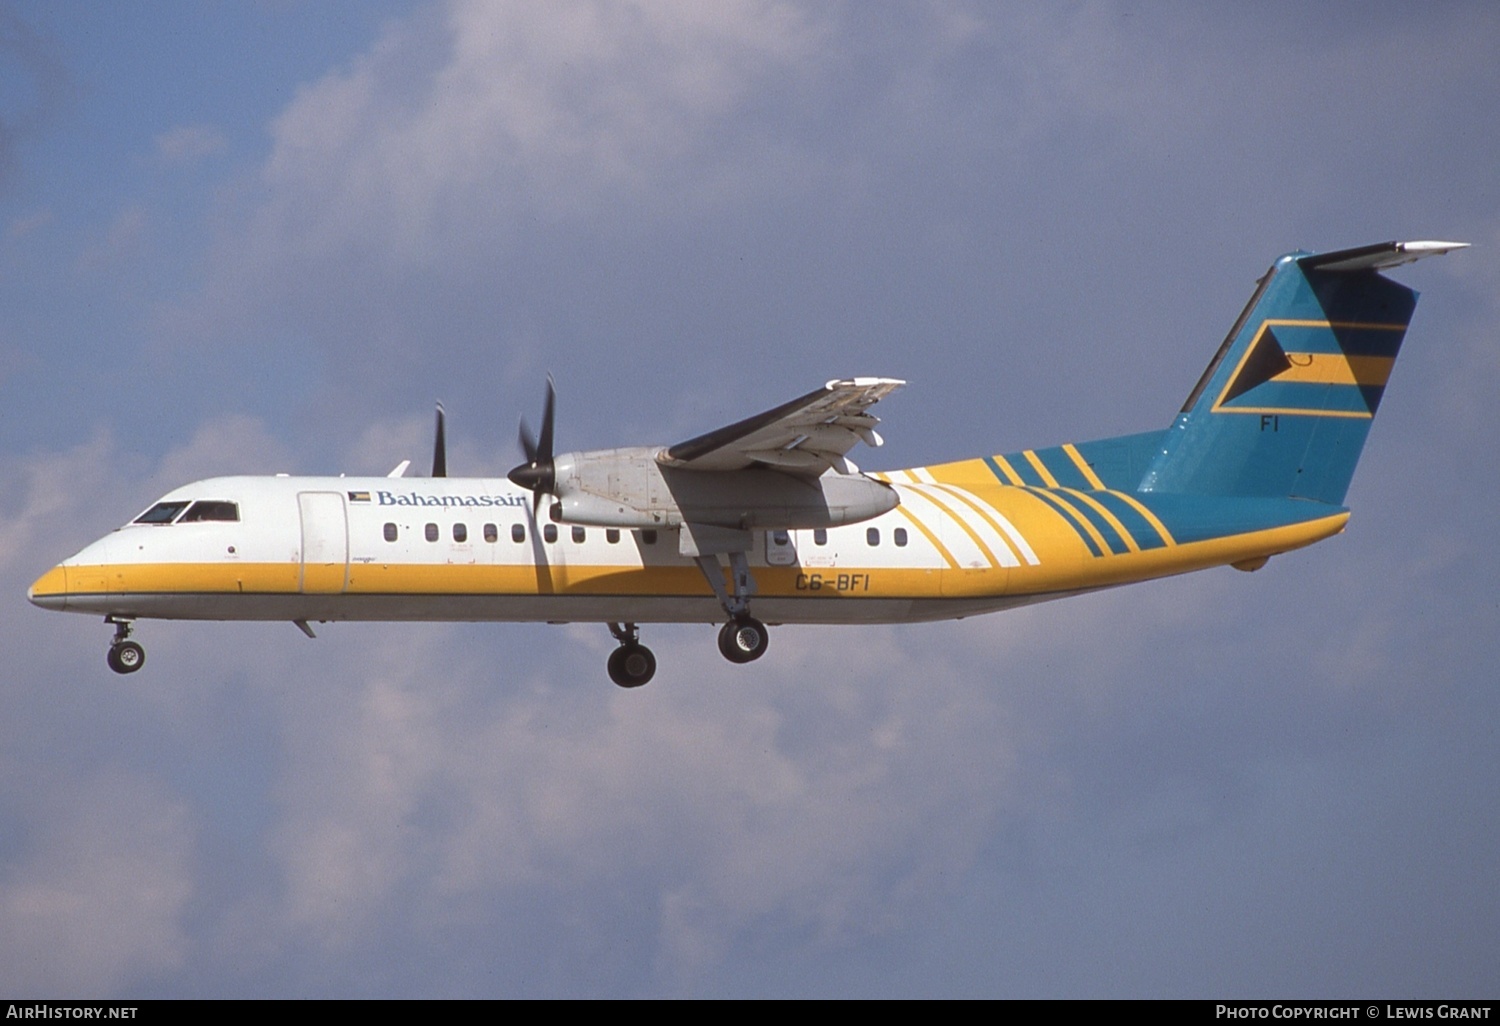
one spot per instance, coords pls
(808, 435)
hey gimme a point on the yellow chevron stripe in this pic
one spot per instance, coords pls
(1093, 532)
(1009, 471)
(979, 507)
(1083, 468)
(973, 534)
(1109, 518)
(927, 533)
(1151, 518)
(1035, 461)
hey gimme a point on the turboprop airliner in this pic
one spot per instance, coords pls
(768, 521)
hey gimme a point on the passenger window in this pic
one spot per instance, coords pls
(517, 533)
(820, 536)
(432, 532)
(460, 532)
(900, 534)
(612, 535)
(648, 536)
(390, 532)
(491, 532)
(206, 509)
(161, 513)
(872, 535)
(549, 533)
(578, 534)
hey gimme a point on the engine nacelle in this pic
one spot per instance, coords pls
(629, 488)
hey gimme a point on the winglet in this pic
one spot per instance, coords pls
(1378, 257)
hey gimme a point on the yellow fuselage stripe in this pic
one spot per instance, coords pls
(112, 585)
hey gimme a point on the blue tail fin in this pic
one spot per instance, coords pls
(1285, 405)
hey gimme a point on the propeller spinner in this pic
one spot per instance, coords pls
(538, 473)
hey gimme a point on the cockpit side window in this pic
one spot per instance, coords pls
(161, 513)
(211, 509)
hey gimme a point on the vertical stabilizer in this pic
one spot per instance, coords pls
(1284, 408)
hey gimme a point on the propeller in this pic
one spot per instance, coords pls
(538, 473)
(439, 447)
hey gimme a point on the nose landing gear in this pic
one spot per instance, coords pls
(124, 656)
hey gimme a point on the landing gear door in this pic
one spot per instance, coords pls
(779, 549)
(325, 543)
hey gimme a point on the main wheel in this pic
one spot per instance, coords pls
(126, 657)
(631, 665)
(743, 639)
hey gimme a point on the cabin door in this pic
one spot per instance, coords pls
(325, 543)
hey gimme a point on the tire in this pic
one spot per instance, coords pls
(743, 639)
(630, 666)
(126, 657)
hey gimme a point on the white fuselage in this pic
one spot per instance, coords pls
(337, 548)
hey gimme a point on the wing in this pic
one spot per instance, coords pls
(806, 436)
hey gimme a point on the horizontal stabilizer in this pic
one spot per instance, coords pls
(1377, 257)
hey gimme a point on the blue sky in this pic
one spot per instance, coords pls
(265, 237)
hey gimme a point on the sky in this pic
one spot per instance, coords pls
(265, 237)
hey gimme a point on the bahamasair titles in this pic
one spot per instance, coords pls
(767, 521)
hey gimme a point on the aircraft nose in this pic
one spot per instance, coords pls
(50, 591)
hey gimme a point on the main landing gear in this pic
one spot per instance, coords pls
(124, 656)
(632, 664)
(744, 638)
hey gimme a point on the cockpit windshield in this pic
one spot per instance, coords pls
(197, 512)
(161, 513)
(210, 509)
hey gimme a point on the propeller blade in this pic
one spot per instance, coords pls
(439, 447)
(538, 473)
(548, 409)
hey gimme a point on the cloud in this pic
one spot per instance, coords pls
(99, 895)
(189, 144)
(682, 209)
(45, 89)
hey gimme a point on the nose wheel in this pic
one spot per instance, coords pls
(124, 656)
(632, 664)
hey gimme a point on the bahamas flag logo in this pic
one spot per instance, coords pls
(1313, 368)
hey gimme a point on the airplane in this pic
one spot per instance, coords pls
(1256, 463)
